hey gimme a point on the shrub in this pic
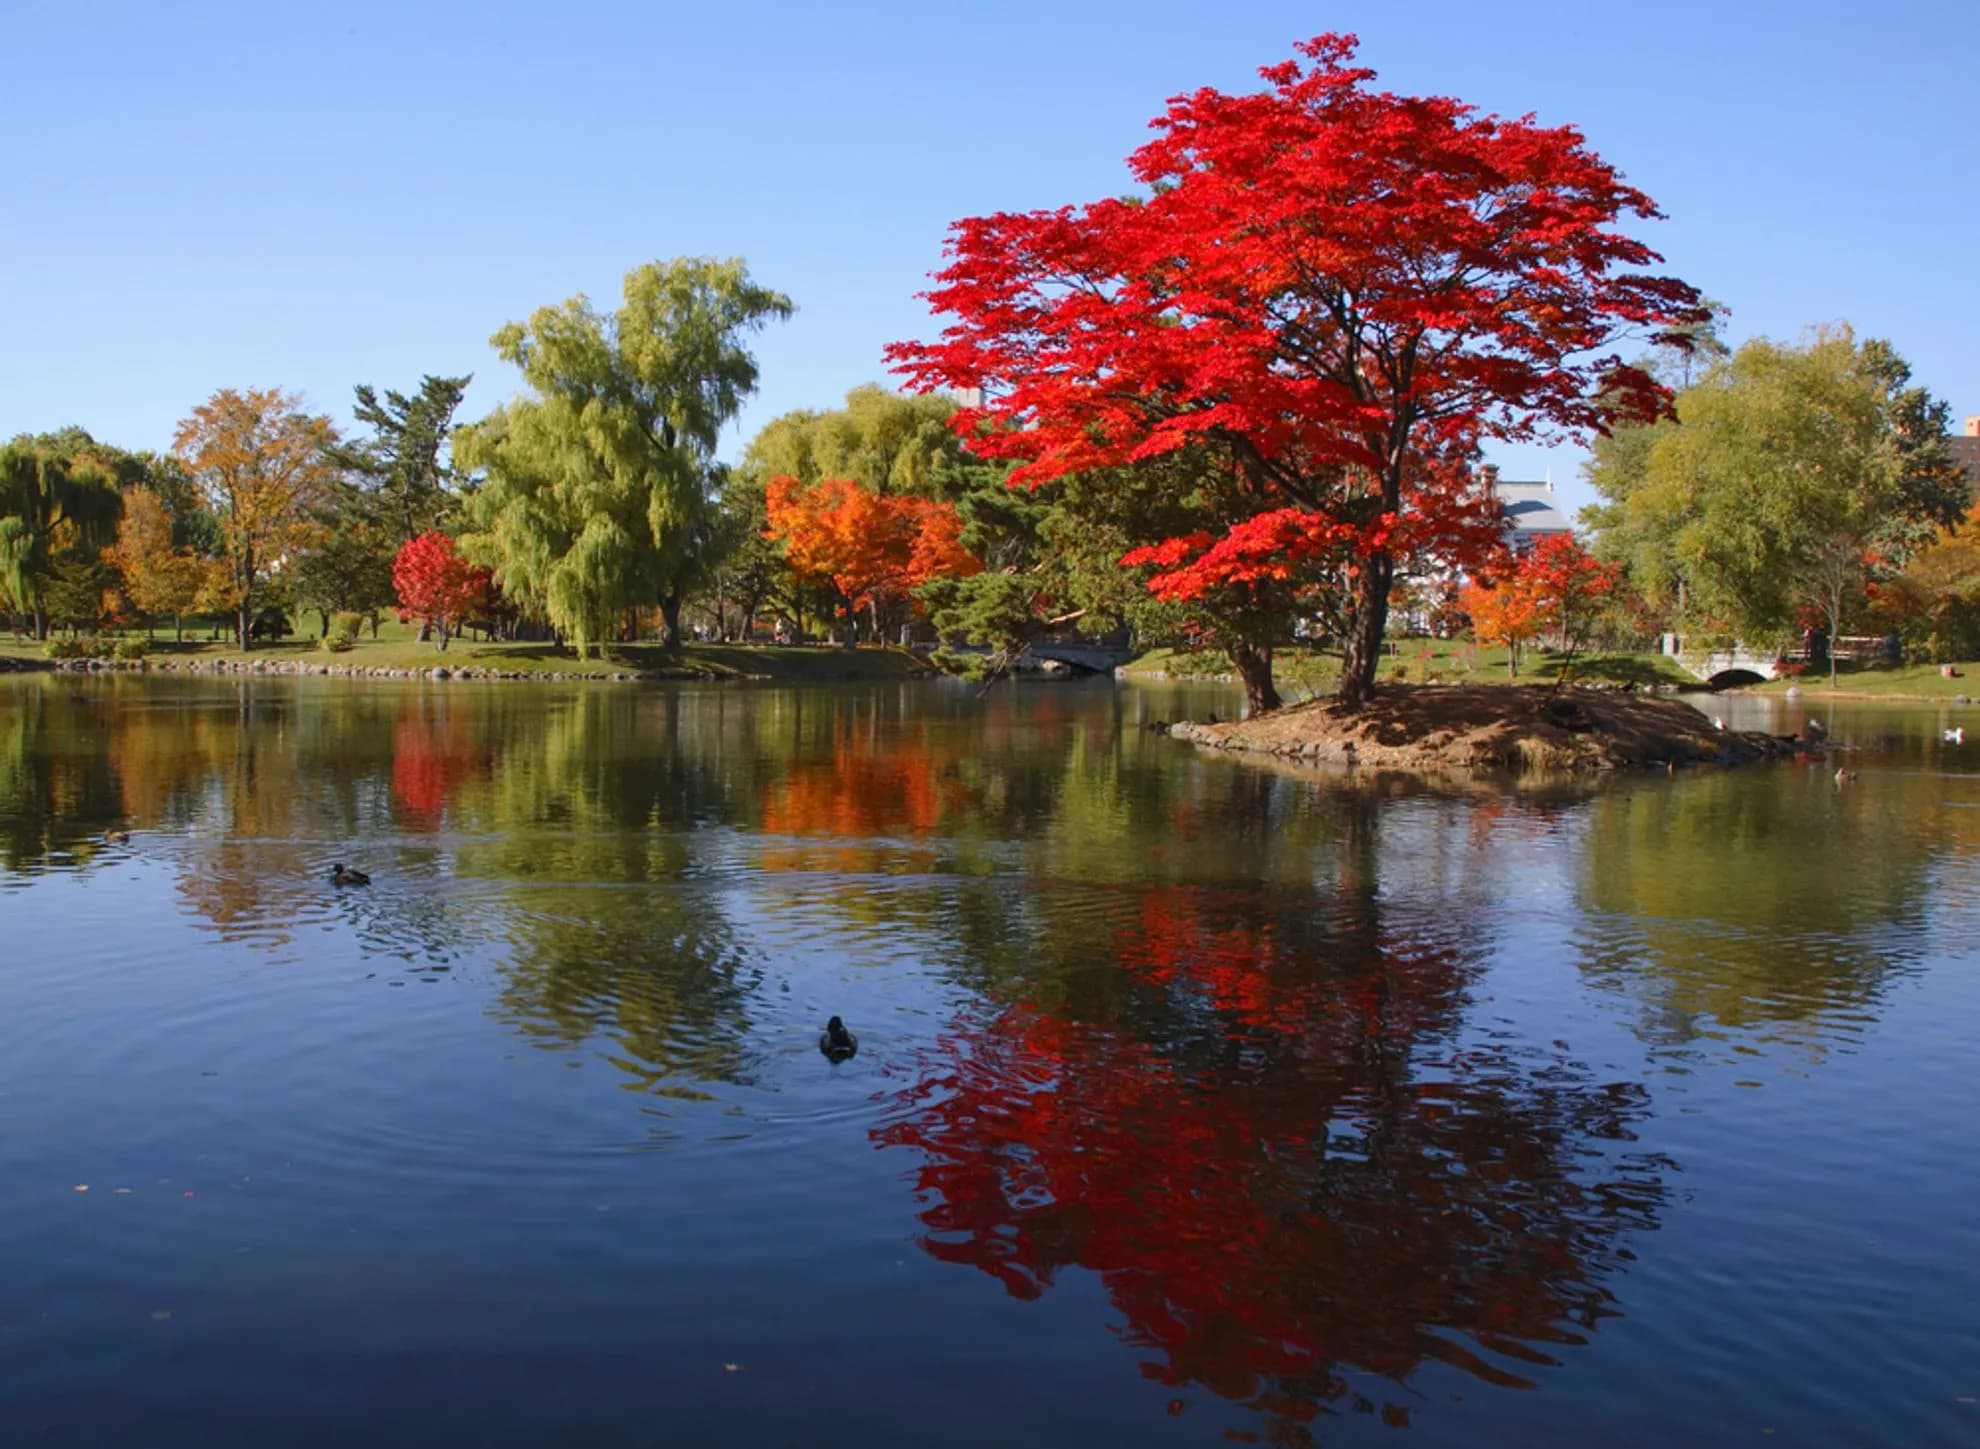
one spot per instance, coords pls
(86, 647)
(343, 634)
(132, 650)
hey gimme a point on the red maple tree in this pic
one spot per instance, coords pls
(436, 585)
(1337, 292)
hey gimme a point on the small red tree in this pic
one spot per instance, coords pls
(1326, 285)
(436, 584)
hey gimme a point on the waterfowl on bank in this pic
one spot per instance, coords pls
(838, 1043)
(1954, 736)
(343, 875)
(116, 837)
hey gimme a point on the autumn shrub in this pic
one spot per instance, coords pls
(86, 646)
(130, 651)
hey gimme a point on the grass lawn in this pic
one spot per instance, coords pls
(398, 648)
(1883, 681)
(1301, 671)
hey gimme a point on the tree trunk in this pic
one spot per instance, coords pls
(670, 621)
(1254, 667)
(40, 622)
(178, 628)
(1365, 628)
(441, 633)
(1512, 659)
(244, 613)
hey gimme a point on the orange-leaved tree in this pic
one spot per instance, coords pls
(866, 546)
(1552, 589)
(159, 578)
(261, 462)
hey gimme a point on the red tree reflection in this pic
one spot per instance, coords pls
(1279, 1163)
(431, 759)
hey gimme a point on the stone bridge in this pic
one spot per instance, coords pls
(1085, 655)
(1722, 667)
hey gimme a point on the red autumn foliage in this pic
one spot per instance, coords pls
(436, 584)
(1339, 291)
(431, 759)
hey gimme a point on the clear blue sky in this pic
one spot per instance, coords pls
(200, 195)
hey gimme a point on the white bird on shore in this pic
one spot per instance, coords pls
(1956, 736)
(1717, 723)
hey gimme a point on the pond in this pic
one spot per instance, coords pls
(1193, 1102)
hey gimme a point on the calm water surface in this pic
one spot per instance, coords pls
(1194, 1101)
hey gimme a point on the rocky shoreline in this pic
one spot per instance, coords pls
(1499, 729)
(318, 667)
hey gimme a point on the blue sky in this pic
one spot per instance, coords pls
(201, 195)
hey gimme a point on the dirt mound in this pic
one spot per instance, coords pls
(1501, 728)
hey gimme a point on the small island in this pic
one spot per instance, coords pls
(1503, 728)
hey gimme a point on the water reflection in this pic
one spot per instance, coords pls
(1774, 903)
(1272, 1137)
(1235, 1047)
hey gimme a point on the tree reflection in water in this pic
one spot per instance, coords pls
(1284, 1154)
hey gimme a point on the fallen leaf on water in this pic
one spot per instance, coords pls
(120, 1191)
(82, 1187)
(161, 1314)
(730, 1368)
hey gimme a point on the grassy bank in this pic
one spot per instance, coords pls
(1894, 681)
(1302, 673)
(793, 664)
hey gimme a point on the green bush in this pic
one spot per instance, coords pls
(87, 646)
(132, 650)
(343, 634)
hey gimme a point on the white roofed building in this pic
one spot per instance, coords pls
(1531, 508)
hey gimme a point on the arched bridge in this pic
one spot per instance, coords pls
(1091, 657)
(1723, 667)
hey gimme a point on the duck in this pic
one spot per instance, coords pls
(343, 875)
(1843, 777)
(1954, 736)
(837, 1043)
(116, 837)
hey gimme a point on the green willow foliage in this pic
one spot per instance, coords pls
(596, 494)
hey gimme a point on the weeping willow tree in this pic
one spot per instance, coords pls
(58, 493)
(595, 495)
